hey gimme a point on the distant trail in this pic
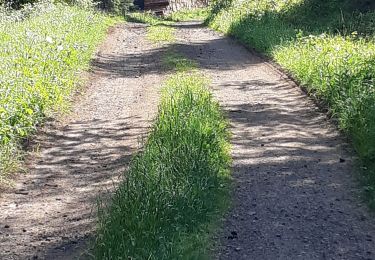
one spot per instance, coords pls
(293, 198)
(49, 215)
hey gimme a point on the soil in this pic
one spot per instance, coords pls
(50, 214)
(294, 194)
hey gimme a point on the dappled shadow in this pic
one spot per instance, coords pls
(266, 28)
(151, 61)
(85, 157)
(294, 194)
(294, 177)
(52, 209)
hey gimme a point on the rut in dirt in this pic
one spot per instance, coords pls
(50, 214)
(295, 194)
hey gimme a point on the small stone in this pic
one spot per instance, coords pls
(24, 230)
(262, 145)
(238, 249)
(6, 226)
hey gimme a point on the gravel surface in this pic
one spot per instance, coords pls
(294, 195)
(50, 212)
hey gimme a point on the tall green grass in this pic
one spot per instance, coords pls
(42, 51)
(177, 186)
(328, 46)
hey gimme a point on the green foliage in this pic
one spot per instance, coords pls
(178, 62)
(41, 52)
(327, 45)
(160, 33)
(189, 15)
(159, 30)
(177, 186)
(119, 7)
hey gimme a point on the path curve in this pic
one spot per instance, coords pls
(294, 196)
(49, 215)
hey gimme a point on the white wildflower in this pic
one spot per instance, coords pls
(49, 39)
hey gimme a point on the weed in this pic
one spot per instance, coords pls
(175, 61)
(160, 34)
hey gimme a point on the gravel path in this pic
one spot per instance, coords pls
(294, 196)
(49, 215)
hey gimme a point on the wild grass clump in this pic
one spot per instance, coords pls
(160, 34)
(42, 52)
(159, 29)
(176, 61)
(329, 46)
(189, 15)
(177, 186)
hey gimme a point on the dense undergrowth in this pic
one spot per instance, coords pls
(42, 50)
(177, 186)
(329, 46)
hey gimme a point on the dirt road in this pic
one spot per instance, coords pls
(49, 215)
(295, 196)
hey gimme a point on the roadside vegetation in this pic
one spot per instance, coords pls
(328, 46)
(176, 187)
(43, 48)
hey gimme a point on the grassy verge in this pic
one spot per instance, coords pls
(328, 46)
(176, 188)
(42, 51)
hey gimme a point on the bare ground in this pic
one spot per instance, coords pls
(50, 212)
(294, 194)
